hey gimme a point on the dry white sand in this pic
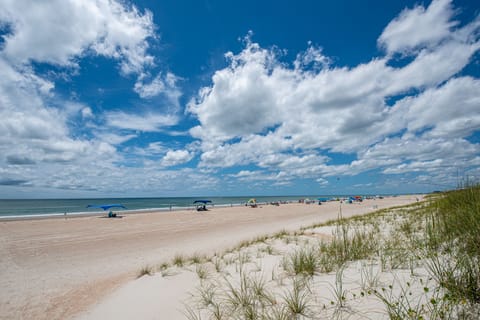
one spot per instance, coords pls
(86, 267)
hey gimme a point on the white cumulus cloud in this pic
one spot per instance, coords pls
(132, 121)
(39, 144)
(59, 31)
(261, 111)
(418, 27)
(176, 157)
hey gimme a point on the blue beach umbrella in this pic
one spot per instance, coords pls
(106, 206)
(201, 204)
(202, 201)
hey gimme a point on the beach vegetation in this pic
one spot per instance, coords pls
(217, 263)
(179, 260)
(278, 312)
(145, 270)
(241, 297)
(338, 290)
(303, 261)
(242, 259)
(206, 294)
(347, 244)
(163, 266)
(259, 288)
(282, 233)
(298, 299)
(411, 300)
(453, 243)
(230, 259)
(197, 258)
(165, 269)
(261, 239)
(191, 313)
(243, 244)
(217, 312)
(167, 272)
(270, 250)
(369, 276)
(202, 271)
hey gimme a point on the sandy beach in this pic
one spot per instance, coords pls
(65, 268)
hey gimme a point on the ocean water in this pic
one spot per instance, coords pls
(53, 207)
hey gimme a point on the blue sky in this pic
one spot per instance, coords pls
(186, 98)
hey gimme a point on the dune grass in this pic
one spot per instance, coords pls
(304, 261)
(145, 270)
(453, 243)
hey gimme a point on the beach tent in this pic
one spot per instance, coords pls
(106, 207)
(252, 203)
(320, 200)
(202, 204)
(308, 201)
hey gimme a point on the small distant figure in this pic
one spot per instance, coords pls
(65, 215)
(417, 199)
